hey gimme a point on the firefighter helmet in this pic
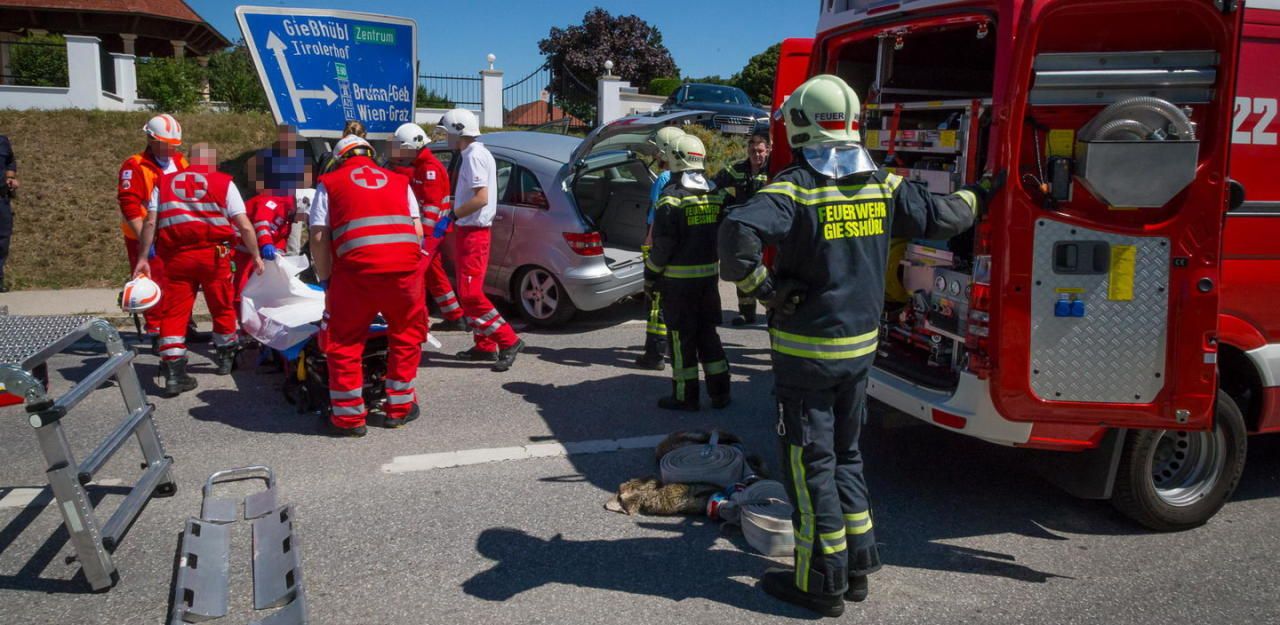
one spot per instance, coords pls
(140, 294)
(460, 122)
(411, 136)
(663, 138)
(352, 145)
(164, 127)
(822, 110)
(687, 154)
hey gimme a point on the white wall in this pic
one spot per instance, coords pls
(84, 79)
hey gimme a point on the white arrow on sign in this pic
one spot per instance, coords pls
(297, 95)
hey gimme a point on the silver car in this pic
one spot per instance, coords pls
(571, 216)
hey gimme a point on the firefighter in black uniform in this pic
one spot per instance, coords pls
(655, 334)
(831, 216)
(682, 266)
(740, 182)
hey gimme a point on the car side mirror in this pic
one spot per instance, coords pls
(1235, 194)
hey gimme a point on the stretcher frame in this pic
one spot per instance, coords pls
(30, 342)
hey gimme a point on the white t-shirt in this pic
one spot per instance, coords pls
(478, 169)
(319, 215)
(235, 203)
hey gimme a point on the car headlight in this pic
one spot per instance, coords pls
(764, 119)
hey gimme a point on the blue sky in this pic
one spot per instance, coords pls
(454, 36)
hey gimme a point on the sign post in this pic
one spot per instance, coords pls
(322, 67)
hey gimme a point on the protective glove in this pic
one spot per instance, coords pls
(988, 185)
(268, 252)
(783, 298)
(151, 253)
(442, 225)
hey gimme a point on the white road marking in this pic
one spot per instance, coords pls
(449, 459)
(19, 498)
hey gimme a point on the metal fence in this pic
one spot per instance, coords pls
(528, 103)
(35, 64)
(450, 90)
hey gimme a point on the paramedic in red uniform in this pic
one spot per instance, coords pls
(430, 183)
(272, 212)
(190, 221)
(366, 242)
(137, 178)
(474, 207)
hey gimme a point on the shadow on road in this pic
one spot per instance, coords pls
(29, 576)
(679, 567)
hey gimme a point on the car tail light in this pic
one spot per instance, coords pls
(585, 243)
(978, 339)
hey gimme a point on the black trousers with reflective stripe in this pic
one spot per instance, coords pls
(691, 308)
(655, 333)
(820, 428)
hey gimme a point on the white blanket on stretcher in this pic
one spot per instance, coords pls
(279, 310)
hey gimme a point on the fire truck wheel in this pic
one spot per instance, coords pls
(1171, 481)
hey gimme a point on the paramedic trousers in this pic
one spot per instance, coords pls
(491, 331)
(691, 307)
(151, 317)
(352, 302)
(819, 428)
(437, 281)
(189, 270)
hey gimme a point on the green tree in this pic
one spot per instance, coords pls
(234, 80)
(714, 79)
(429, 99)
(756, 78)
(577, 55)
(664, 86)
(39, 61)
(174, 84)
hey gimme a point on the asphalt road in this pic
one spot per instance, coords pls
(969, 533)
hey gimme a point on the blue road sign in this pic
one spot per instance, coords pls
(322, 67)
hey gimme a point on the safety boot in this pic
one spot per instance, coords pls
(227, 359)
(176, 380)
(858, 589)
(475, 354)
(652, 360)
(507, 357)
(781, 584)
(671, 403)
(391, 423)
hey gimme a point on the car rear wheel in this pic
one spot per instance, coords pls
(543, 300)
(1171, 480)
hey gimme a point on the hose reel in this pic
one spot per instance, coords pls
(1139, 152)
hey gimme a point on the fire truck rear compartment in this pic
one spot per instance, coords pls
(927, 95)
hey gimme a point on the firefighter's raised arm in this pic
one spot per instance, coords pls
(919, 213)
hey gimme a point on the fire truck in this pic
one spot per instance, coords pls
(1114, 305)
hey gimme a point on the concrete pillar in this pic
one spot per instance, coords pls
(179, 49)
(84, 71)
(609, 98)
(129, 40)
(126, 70)
(204, 80)
(491, 99)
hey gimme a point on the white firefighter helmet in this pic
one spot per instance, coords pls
(164, 127)
(460, 122)
(687, 154)
(352, 145)
(412, 136)
(822, 110)
(663, 138)
(140, 294)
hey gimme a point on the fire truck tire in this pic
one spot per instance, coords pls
(1171, 481)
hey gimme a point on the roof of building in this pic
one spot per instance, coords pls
(155, 22)
(535, 113)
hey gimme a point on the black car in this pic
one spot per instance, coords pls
(735, 113)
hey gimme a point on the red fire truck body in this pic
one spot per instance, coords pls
(1101, 306)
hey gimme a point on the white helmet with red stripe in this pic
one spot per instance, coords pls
(140, 294)
(823, 110)
(164, 127)
(687, 153)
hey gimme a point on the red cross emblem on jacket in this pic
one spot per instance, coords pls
(368, 177)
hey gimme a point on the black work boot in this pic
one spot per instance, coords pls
(507, 357)
(652, 360)
(781, 584)
(329, 429)
(176, 380)
(391, 423)
(450, 325)
(858, 589)
(671, 403)
(227, 359)
(476, 354)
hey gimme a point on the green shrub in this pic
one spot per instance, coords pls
(40, 63)
(722, 150)
(664, 86)
(233, 79)
(174, 84)
(429, 99)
